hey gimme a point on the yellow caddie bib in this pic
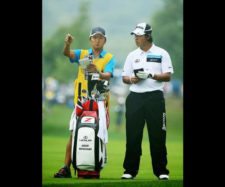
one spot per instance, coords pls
(81, 83)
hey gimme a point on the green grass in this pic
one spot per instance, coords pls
(119, 183)
(55, 137)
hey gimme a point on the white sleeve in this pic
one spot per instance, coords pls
(127, 69)
(166, 63)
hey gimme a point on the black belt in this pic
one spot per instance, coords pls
(149, 93)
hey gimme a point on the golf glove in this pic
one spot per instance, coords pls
(144, 75)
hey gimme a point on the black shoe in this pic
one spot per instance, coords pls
(127, 176)
(164, 177)
(63, 173)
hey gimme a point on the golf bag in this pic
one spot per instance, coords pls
(88, 150)
(90, 136)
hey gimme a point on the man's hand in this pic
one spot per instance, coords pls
(69, 39)
(133, 80)
(66, 50)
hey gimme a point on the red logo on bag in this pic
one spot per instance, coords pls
(87, 119)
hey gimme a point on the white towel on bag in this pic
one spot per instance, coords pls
(102, 132)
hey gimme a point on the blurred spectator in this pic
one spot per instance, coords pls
(167, 89)
(51, 86)
(120, 109)
(176, 87)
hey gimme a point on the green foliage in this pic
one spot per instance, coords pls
(54, 62)
(168, 33)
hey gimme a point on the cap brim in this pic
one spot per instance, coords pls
(97, 33)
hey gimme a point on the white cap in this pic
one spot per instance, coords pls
(141, 29)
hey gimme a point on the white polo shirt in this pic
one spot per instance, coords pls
(156, 60)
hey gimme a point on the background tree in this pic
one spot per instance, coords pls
(168, 33)
(54, 62)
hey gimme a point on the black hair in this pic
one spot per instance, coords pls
(149, 36)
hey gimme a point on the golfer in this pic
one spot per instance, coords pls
(145, 70)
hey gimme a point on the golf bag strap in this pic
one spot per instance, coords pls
(91, 105)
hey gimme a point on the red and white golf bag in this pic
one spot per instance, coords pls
(89, 138)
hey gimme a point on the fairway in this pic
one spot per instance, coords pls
(55, 137)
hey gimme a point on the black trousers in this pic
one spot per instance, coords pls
(146, 107)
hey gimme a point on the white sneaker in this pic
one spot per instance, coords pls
(127, 176)
(163, 177)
